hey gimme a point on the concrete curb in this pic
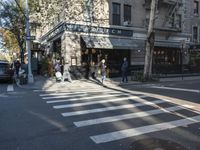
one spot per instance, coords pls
(41, 85)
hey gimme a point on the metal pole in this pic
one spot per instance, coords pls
(181, 57)
(30, 75)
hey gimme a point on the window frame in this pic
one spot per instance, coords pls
(127, 17)
(196, 7)
(197, 32)
(116, 15)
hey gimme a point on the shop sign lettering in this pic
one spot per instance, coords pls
(98, 30)
(86, 29)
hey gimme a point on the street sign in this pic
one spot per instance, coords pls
(30, 38)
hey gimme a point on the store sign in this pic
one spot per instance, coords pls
(98, 30)
(57, 31)
(86, 29)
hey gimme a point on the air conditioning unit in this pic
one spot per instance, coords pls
(126, 23)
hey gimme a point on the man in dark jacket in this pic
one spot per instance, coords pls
(124, 69)
(17, 65)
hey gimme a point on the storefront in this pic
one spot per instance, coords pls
(113, 50)
(82, 45)
(167, 57)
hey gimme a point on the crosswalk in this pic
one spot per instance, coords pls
(103, 108)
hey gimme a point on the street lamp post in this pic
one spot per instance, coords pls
(181, 56)
(30, 75)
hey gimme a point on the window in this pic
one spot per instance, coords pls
(178, 21)
(196, 7)
(195, 33)
(88, 10)
(116, 14)
(127, 14)
(173, 20)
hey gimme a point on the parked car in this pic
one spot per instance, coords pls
(6, 72)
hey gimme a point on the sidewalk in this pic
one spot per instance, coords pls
(45, 83)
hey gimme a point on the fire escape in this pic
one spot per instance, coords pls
(172, 20)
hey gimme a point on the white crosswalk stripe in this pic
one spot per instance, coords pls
(126, 116)
(98, 102)
(117, 135)
(83, 103)
(77, 92)
(89, 97)
(63, 96)
(110, 108)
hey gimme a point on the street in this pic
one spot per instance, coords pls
(156, 116)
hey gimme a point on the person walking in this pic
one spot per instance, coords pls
(17, 66)
(93, 70)
(103, 70)
(124, 69)
(66, 73)
(57, 66)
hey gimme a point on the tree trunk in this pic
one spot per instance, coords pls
(150, 42)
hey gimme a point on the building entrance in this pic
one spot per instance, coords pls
(113, 58)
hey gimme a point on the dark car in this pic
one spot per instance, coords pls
(6, 73)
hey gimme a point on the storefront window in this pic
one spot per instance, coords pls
(194, 59)
(114, 59)
(166, 60)
(166, 56)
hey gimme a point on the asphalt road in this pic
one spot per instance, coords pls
(78, 120)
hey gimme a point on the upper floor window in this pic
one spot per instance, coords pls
(196, 7)
(88, 11)
(116, 14)
(195, 34)
(178, 21)
(127, 14)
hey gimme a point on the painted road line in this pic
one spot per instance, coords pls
(176, 89)
(122, 134)
(60, 94)
(74, 93)
(64, 96)
(10, 88)
(88, 98)
(126, 116)
(75, 113)
(98, 102)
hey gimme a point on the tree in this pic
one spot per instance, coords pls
(13, 23)
(9, 41)
(150, 42)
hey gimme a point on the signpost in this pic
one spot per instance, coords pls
(181, 56)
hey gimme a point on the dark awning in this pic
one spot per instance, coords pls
(112, 43)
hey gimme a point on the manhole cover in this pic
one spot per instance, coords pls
(155, 144)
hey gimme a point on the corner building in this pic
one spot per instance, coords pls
(86, 31)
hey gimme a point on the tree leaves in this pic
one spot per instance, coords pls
(12, 25)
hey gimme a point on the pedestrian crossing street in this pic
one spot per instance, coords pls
(119, 114)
